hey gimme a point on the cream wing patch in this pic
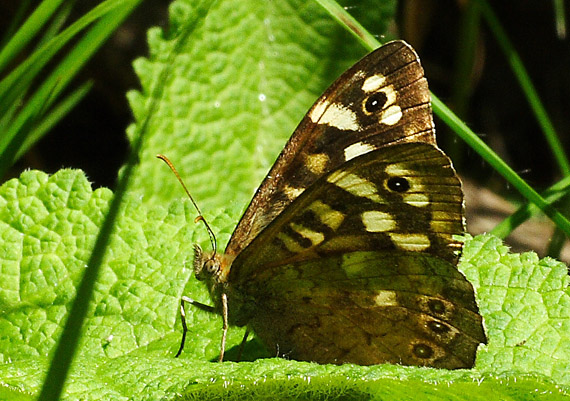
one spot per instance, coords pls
(326, 214)
(317, 163)
(334, 115)
(398, 170)
(290, 243)
(292, 192)
(376, 222)
(386, 298)
(416, 199)
(314, 236)
(391, 95)
(410, 242)
(355, 185)
(417, 195)
(391, 115)
(373, 83)
(293, 245)
(357, 149)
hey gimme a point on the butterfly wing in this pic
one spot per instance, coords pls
(361, 267)
(382, 99)
(400, 197)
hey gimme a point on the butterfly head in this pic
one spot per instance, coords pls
(211, 267)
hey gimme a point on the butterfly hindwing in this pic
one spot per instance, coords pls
(403, 196)
(361, 266)
(382, 99)
(369, 308)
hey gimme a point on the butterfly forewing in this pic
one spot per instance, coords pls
(382, 99)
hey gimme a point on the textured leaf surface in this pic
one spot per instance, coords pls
(48, 228)
(241, 76)
(218, 129)
(130, 336)
(526, 305)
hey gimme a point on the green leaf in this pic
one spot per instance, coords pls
(526, 305)
(49, 223)
(48, 228)
(244, 77)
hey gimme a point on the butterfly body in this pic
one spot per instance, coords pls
(347, 253)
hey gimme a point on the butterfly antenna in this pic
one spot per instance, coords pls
(200, 215)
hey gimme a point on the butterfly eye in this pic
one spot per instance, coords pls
(375, 102)
(210, 266)
(398, 184)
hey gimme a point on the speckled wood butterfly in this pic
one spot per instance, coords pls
(346, 253)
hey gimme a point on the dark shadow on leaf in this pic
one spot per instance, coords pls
(252, 350)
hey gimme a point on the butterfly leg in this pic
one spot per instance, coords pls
(225, 327)
(199, 305)
(242, 345)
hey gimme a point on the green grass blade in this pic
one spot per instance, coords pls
(16, 22)
(461, 129)
(67, 344)
(59, 78)
(13, 85)
(560, 18)
(53, 117)
(57, 24)
(8, 114)
(525, 212)
(28, 31)
(351, 24)
(528, 88)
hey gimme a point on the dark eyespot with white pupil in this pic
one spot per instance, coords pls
(436, 306)
(438, 327)
(375, 102)
(398, 184)
(422, 351)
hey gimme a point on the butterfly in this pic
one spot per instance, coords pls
(348, 251)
